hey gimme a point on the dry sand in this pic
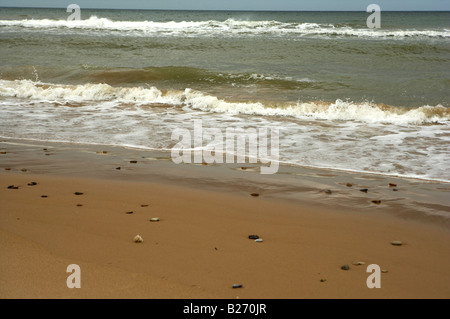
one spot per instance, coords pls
(200, 247)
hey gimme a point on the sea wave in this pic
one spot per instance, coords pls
(340, 110)
(229, 27)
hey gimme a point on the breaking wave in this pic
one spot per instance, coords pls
(229, 27)
(92, 94)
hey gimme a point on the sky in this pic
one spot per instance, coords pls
(275, 5)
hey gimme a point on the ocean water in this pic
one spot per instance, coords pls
(342, 95)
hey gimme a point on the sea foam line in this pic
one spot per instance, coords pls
(227, 27)
(90, 94)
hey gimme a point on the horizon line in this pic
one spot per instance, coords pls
(224, 10)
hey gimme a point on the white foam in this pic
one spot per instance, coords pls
(229, 27)
(196, 100)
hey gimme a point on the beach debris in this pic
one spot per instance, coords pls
(254, 194)
(364, 190)
(129, 213)
(118, 168)
(2, 152)
(395, 189)
(345, 267)
(376, 202)
(392, 185)
(349, 185)
(328, 191)
(138, 239)
(237, 286)
(7, 169)
(323, 280)
(102, 152)
(32, 184)
(24, 170)
(358, 263)
(253, 237)
(78, 193)
(44, 196)
(79, 205)
(13, 187)
(259, 240)
(155, 219)
(133, 162)
(396, 243)
(144, 205)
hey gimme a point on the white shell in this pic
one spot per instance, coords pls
(156, 219)
(259, 240)
(138, 239)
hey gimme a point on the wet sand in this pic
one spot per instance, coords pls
(312, 222)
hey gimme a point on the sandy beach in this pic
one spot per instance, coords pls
(64, 204)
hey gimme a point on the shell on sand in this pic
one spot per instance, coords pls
(138, 239)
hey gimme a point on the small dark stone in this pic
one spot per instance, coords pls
(254, 194)
(253, 237)
(32, 184)
(364, 190)
(376, 202)
(237, 286)
(133, 162)
(329, 192)
(144, 205)
(345, 267)
(392, 185)
(395, 189)
(44, 196)
(78, 193)
(79, 205)
(129, 213)
(118, 168)
(349, 185)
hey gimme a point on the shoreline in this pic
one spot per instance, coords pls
(200, 246)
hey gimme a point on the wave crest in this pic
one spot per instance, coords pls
(229, 27)
(88, 94)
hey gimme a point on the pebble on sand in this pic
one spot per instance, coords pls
(364, 190)
(349, 185)
(237, 286)
(144, 205)
(155, 219)
(118, 168)
(78, 193)
(133, 162)
(376, 202)
(396, 243)
(345, 267)
(44, 196)
(358, 263)
(253, 237)
(259, 240)
(329, 192)
(138, 239)
(392, 185)
(129, 213)
(32, 184)
(254, 194)
(13, 187)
